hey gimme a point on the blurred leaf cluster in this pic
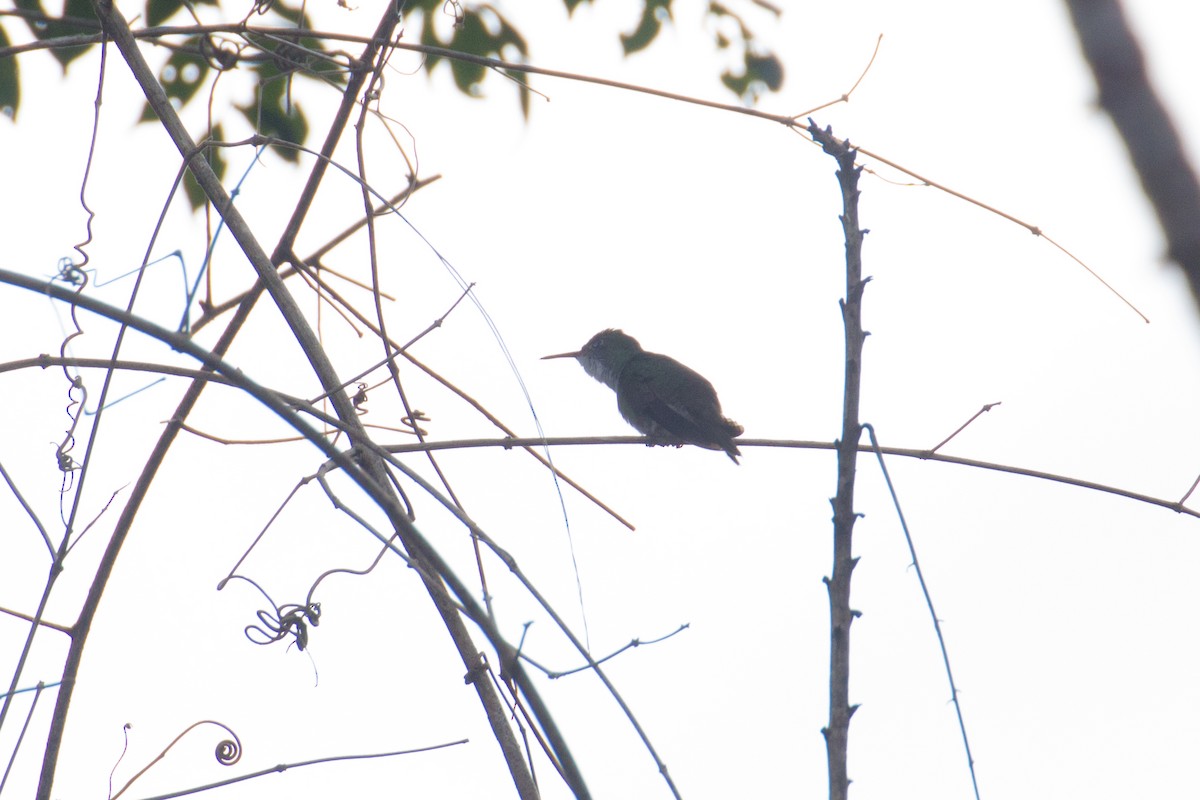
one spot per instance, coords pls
(276, 61)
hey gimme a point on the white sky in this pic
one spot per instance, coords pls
(712, 237)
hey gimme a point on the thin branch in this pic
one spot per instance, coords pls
(29, 512)
(414, 541)
(937, 625)
(51, 625)
(229, 751)
(29, 716)
(508, 443)
(1035, 230)
(214, 311)
(511, 667)
(391, 358)
(922, 454)
(1179, 250)
(1191, 489)
(554, 675)
(298, 403)
(298, 764)
(963, 427)
(372, 479)
(441, 52)
(845, 98)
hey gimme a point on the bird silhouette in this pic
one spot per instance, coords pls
(668, 402)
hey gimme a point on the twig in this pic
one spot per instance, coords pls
(554, 675)
(1035, 230)
(1188, 493)
(963, 427)
(923, 455)
(212, 312)
(937, 625)
(297, 764)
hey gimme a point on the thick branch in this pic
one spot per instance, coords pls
(837, 733)
(1153, 143)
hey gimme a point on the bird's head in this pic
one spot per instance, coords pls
(605, 355)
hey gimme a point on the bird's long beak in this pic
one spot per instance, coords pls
(562, 355)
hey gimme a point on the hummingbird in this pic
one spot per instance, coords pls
(668, 402)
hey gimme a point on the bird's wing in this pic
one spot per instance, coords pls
(671, 399)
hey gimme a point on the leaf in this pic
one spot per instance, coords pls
(181, 77)
(57, 28)
(653, 14)
(159, 11)
(759, 72)
(308, 56)
(481, 32)
(429, 37)
(766, 68)
(327, 68)
(472, 38)
(295, 17)
(274, 115)
(10, 82)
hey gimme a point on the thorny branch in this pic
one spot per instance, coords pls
(841, 615)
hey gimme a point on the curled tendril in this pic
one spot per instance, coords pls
(65, 462)
(68, 272)
(416, 417)
(359, 400)
(62, 451)
(228, 752)
(221, 54)
(74, 405)
(289, 619)
(71, 273)
(452, 8)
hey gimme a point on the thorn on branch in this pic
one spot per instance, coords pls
(841, 149)
(478, 671)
